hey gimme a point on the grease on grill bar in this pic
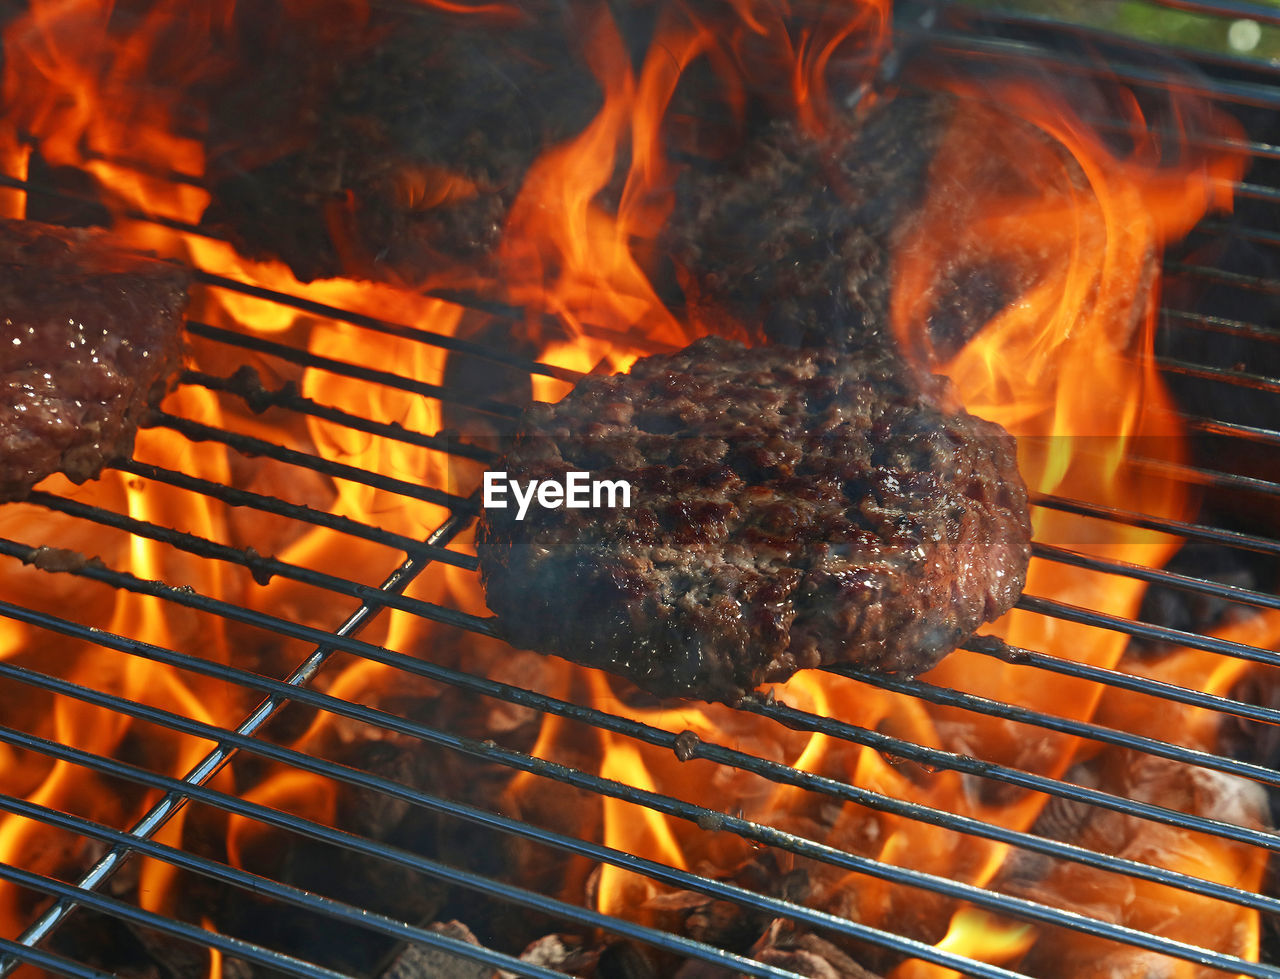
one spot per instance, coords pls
(255, 719)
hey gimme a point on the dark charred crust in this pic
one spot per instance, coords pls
(770, 530)
(790, 239)
(409, 148)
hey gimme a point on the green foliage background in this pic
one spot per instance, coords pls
(1150, 22)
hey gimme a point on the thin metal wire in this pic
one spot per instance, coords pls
(1083, 729)
(1198, 475)
(47, 960)
(250, 446)
(1000, 903)
(790, 718)
(661, 872)
(1262, 13)
(594, 717)
(1166, 692)
(380, 325)
(1180, 528)
(1225, 375)
(1248, 433)
(262, 566)
(159, 814)
(1258, 544)
(1154, 576)
(71, 894)
(701, 749)
(403, 858)
(1230, 277)
(936, 759)
(270, 504)
(344, 368)
(381, 924)
(1144, 630)
(1221, 324)
(288, 399)
(1057, 26)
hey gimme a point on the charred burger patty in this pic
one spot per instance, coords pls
(89, 340)
(789, 508)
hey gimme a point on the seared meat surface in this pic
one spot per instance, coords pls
(790, 509)
(89, 341)
(790, 237)
(406, 151)
(797, 237)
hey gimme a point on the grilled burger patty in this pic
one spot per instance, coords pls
(790, 508)
(416, 140)
(89, 340)
(791, 236)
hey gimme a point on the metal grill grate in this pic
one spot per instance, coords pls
(1236, 82)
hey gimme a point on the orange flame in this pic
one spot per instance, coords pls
(1064, 364)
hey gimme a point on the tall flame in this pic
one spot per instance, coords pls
(1063, 362)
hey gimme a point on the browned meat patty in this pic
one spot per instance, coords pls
(90, 339)
(790, 508)
(792, 238)
(789, 238)
(407, 147)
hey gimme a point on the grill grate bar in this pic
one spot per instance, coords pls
(1084, 729)
(380, 325)
(1219, 8)
(53, 963)
(1199, 586)
(1144, 630)
(787, 716)
(999, 903)
(1197, 475)
(288, 398)
(163, 811)
(1191, 531)
(1252, 433)
(1044, 21)
(999, 649)
(1240, 280)
(169, 926)
(1225, 375)
(1220, 324)
(355, 777)
(264, 567)
(250, 446)
(382, 924)
(1258, 236)
(346, 369)
(270, 504)
(1196, 140)
(132, 214)
(1245, 190)
(352, 842)
(935, 758)
(705, 750)
(775, 771)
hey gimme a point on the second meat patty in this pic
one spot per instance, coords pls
(789, 509)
